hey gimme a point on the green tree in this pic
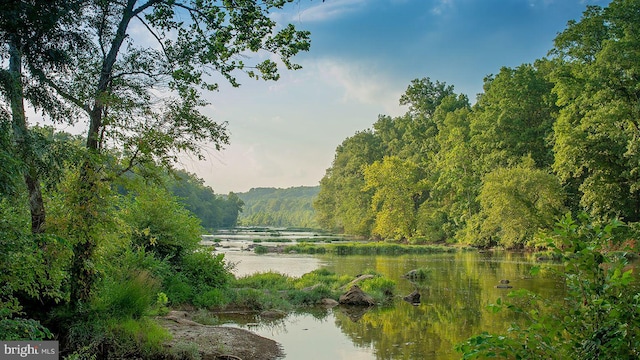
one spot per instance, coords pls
(342, 204)
(34, 35)
(397, 192)
(514, 118)
(596, 136)
(116, 79)
(169, 237)
(452, 197)
(294, 207)
(515, 203)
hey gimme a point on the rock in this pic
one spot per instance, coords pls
(413, 298)
(504, 286)
(216, 342)
(329, 302)
(504, 281)
(273, 314)
(355, 296)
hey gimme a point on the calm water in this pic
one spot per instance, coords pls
(454, 304)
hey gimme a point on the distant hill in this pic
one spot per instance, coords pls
(292, 207)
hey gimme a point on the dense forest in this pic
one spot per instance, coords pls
(214, 211)
(543, 139)
(291, 207)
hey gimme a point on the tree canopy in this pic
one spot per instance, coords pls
(558, 134)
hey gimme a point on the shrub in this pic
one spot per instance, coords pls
(128, 297)
(23, 329)
(310, 296)
(211, 298)
(132, 338)
(161, 225)
(267, 280)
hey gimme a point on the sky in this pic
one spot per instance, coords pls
(364, 54)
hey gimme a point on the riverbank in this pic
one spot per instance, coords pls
(192, 340)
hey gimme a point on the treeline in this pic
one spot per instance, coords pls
(291, 207)
(561, 134)
(214, 211)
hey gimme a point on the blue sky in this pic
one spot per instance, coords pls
(364, 53)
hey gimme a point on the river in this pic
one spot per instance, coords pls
(454, 303)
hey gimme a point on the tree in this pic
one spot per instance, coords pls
(34, 35)
(397, 194)
(515, 204)
(341, 203)
(596, 77)
(455, 184)
(514, 118)
(117, 79)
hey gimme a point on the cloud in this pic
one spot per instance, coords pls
(441, 6)
(359, 82)
(325, 11)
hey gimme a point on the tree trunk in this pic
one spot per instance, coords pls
(82, 272)
(21, 138)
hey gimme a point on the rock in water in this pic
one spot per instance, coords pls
(328, 302)
(355, 296)
(413, 298)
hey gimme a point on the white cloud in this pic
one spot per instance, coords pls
(362, 83)
(441, 6)
(324, 11)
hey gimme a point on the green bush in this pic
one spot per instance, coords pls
(256, 299)
(23, 329)
(203, 268)
(134, 338)
(211, 298)
(311, 296)
(160, 224)
(322, 276)
(128, 297)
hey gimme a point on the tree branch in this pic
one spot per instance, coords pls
(62, 92)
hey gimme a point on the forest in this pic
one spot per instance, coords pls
(557, 136)
(291, 207)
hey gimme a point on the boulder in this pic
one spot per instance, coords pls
(328, 302)
(273, 314)
(413, 298)
(355, 296)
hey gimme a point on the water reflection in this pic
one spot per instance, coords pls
(454, 305)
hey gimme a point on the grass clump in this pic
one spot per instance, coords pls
(380, 288)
